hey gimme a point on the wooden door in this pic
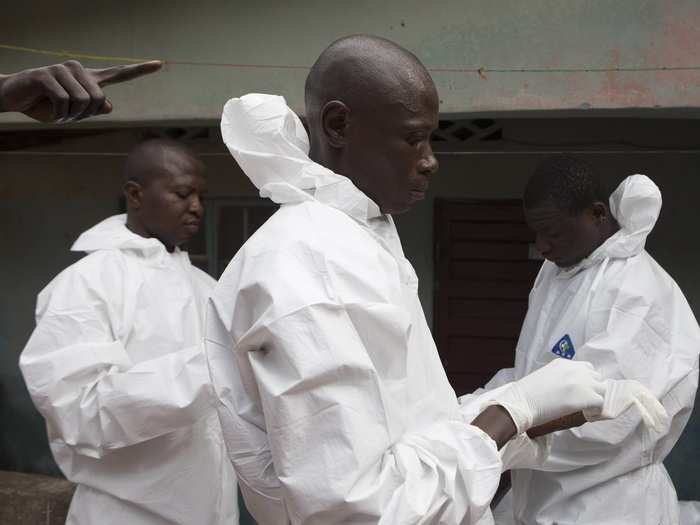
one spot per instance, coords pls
(485, 265)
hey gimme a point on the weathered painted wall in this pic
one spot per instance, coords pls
(449, 36)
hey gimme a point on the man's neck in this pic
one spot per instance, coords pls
(610, 228)
(329, 160)
(136, 227)
(321, 155)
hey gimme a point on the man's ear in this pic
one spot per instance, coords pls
(335, 118)
(600, 212)
(134, 194)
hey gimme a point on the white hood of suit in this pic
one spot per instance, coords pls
(635, 204)
(112, 234)
(271, 146)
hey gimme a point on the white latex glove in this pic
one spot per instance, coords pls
(558, 389)
(622, 394)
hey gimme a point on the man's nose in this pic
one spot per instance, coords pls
(428, 165)
(196, 207)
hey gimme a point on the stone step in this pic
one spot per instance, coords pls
(31, 499)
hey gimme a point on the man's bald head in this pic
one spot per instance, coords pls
(364, 71)
(371, 108)
(157, 157)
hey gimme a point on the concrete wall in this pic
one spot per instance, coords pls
(449, 36)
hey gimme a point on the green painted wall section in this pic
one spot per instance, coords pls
(448, 36)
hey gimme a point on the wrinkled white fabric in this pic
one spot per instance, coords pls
(116, 367)
(333, 401)
(625, 315)
(690, 512)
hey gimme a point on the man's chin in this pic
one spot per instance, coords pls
(402, 207)
(187, 234)
(564, 264)
(184, 241)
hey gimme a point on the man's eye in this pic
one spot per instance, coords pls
(182, 195)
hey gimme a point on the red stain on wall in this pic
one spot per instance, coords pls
(675, 44)
(674, 41)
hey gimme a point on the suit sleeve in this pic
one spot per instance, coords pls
(81, 378)
(331, 431)
(625, 343)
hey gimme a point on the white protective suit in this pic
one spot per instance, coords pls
(333, 401)
(619, 310)
(116, 368)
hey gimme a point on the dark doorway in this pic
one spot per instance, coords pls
(485, 264)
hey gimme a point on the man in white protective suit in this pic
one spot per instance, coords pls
(600, 297)
(116, 364)
(333, 401)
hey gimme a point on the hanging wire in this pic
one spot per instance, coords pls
(481, 71)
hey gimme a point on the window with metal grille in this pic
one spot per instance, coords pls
(228, 223)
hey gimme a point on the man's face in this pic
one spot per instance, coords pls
(171, 206)
(561, 237)
(388, 151)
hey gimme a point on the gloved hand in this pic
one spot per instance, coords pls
(559, 388)
(622, 394)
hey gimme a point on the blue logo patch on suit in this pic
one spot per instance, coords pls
(564, 348)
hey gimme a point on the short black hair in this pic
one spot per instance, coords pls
(566, 182)
(146, 156)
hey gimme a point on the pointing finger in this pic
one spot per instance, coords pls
(117, 74)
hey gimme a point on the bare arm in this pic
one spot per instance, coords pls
(497, 423)
(563, 423)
